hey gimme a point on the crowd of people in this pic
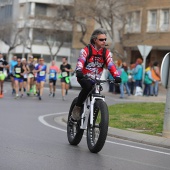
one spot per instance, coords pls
(29, 76)
(134, 82)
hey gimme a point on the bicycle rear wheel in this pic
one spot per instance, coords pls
(96, 134)
(74, 133)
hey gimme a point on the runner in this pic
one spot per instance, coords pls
(3, 65)
(53, 70)
(19, 71)
(35, 86)
(30, 78)
(65, 72)
(24, 63)
(41, 70)
(12, 63)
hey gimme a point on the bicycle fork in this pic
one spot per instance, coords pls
(88, 111)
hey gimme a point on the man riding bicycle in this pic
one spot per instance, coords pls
(90, 63)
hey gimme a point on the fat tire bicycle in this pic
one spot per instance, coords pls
(94, 119)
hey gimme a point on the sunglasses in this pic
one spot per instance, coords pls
(102, 39)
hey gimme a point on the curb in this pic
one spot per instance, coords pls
(129, 135)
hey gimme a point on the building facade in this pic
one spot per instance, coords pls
(148, 23)
(45, 27)
(38, 28)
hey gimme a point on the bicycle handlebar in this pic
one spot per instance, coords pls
(98, 81)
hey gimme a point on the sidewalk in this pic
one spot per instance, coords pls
(131, 135)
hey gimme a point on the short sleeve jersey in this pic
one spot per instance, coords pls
(63, 72)
(2, 63)
(31, 67)
(12, 64)
(18, 70)
(53, 72)
(42, 73)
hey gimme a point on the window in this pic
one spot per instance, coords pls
(65, 12)
(5, 12)
(54, 37)
(164, 20)
(166, 17)
(37, 36)
(152, 21)
(133, 24)
(40, 9)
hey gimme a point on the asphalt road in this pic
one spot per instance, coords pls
(30, 139)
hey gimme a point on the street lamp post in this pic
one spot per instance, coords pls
(165, 78)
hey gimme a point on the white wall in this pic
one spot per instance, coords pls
(3, 47)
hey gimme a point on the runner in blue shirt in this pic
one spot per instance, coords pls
(12, 64)
(53, 70)
(41, 70)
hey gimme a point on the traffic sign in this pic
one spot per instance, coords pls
(144, 50)
(165, 66)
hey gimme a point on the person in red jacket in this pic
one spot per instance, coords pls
(92, 66)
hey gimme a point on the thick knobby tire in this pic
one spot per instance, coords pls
(74, 133)
(100, 124)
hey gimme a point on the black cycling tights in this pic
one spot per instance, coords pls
(86, 88)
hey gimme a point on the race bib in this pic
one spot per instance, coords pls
(64, 74)
(52, 75)
(31, 75)
(18, 70)
(42, 73)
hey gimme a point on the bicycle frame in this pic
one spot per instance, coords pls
(89, 106)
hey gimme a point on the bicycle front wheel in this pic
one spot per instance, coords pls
(74, 133)
(96, 134)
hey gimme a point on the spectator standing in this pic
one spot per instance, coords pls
(118, 67)
(147, 81)
(111, 85)
(124, 78)
(155, 72)
(131, 80)
(138, 73)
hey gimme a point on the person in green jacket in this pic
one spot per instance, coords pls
(124, 82)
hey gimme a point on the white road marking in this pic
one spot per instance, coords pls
(136, 147)
(41, 119)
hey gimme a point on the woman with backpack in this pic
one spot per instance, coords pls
(148, 80)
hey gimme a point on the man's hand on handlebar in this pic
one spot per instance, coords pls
(118, 80)
(79, 74)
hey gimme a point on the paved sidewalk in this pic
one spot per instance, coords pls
(135, 136)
